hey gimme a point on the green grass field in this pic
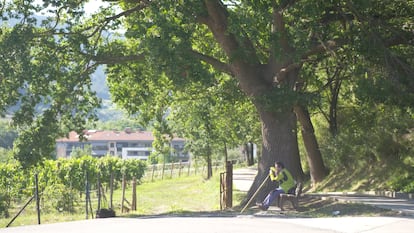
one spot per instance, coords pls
(168, 196)
(185, 194)
(188, 195)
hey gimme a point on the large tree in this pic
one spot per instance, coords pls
(263, 45)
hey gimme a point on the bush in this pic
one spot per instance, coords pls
(63, 180)
(370, 139)
(4, 204)
(402, 181)
(61, 198)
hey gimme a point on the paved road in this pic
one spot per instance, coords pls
(241, 224)
(237, 224)
(405, 206)
(243, 178)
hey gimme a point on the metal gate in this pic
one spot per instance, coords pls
(226, 187)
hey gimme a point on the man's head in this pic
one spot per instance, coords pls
(279, 165)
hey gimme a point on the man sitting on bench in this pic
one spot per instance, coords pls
(280, 174)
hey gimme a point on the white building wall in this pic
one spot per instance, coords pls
(136, 153)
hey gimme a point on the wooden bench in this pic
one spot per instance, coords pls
(292, 197)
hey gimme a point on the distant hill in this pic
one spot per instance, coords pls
(99, 84)
(108, 111)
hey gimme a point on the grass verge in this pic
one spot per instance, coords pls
(195, 196)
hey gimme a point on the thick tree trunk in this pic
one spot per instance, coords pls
(279, 144)
(248, 148)
(316, 165)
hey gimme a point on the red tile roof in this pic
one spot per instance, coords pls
(108, 135)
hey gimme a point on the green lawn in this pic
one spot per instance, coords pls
(185, 194)
(189, 195)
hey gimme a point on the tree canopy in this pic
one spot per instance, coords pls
(273, 50)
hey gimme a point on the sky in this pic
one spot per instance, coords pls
(90, 7)
(93, 5)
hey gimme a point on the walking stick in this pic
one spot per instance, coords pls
(254, 195)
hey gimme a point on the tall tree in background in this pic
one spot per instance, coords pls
(263, 45)
(213, 119)
(48, 79)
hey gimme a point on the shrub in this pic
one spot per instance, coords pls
(61, 198)
(4, 204)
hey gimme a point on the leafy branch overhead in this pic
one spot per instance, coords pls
(265, 55)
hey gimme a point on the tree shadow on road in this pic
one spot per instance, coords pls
(309, 207)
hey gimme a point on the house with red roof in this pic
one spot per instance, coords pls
(127, 144)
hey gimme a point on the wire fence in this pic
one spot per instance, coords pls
(44, 200)
(171, 170)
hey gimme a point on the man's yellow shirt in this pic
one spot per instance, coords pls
(284, 178)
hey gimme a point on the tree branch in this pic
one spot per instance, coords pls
(109, 59)
(319, 49)
(323, 47)
(406, 39)
(217, 22)
(213, 62)
(142, 4)
(278, 26)
(281, 75)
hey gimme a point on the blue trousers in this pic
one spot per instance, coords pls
(272, 196)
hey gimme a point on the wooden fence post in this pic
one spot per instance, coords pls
(111, 191)
(37, 198)
(163, 169)
(153, 171)
(179, 169)
(123, 193)
(134, 194)
(222, 191)
(99, 192)
(229, 184)
(86, 196)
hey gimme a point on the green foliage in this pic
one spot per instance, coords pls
(62, 180)
(174, 58)
(109, 166)
(60, 197)
(12, 179)
(7, 135)
(79, 152)
(213, 118)
(12, 185)
(43, 73)
(5, 155)
(372, 139)
(117, 124)
(133, 168)
(161, 144)
(402, 180)
(282, 99)
(5, 201)
(33, 145)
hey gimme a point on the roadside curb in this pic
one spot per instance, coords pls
(389, 194)
(400, 205)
